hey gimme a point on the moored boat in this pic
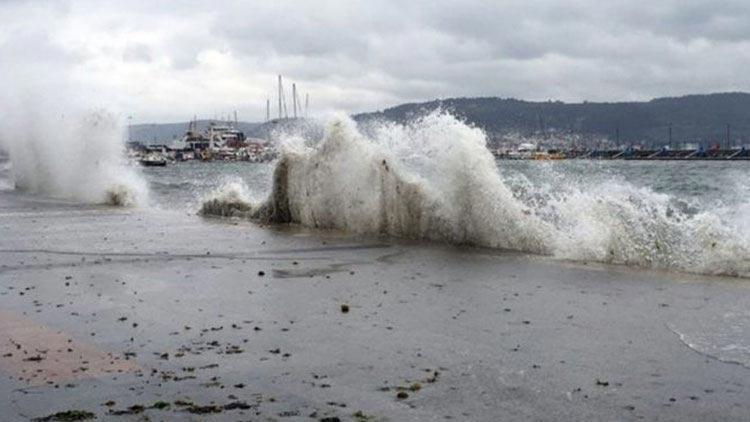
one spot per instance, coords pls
(153, 160)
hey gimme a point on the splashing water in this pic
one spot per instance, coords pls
(5, 173)
(231, 199)
(75, 156)
(435, 179)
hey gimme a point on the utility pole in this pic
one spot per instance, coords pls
(236, 122)
(268, 110)
(307, 102)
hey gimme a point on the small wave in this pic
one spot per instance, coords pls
(724, 336)
(120, 196)
(434, 179)
(229, 200)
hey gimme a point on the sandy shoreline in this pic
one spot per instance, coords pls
(511, 337)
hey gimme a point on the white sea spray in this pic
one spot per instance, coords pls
(434, 179)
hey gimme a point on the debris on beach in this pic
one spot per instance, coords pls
(67, 416)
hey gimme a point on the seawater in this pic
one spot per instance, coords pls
(434, 179)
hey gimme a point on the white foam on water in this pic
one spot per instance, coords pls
(435, 179)
(623, 224)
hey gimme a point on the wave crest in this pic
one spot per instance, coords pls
(435, 179)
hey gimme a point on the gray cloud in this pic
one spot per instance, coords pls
(171, 60)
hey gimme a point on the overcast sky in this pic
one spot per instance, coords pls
(166, 61)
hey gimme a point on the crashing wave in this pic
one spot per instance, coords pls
(436, 180)
(350, 183)
(78, 157)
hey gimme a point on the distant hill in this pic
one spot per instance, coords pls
(694, 118)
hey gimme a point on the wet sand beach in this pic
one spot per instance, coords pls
(169, 316)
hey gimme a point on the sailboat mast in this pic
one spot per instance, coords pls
(294, 98)
(280, 94)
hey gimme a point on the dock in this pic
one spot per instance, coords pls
(634, 154)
